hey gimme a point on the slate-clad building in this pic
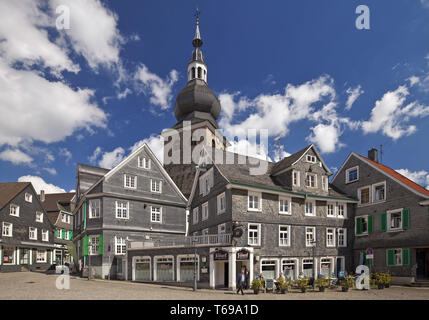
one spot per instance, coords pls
(392, 217)
(26, 239)
(136, 200)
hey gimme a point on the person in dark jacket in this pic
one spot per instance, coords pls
(247, 273)
(241, 281)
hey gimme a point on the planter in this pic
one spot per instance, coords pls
(255, 291)
(321, 289)
(387, 285)
(283, 291)
(344, 289)
(380, 286)
(303, 290)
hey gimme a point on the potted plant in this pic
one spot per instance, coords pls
(302, 283)
(387, 279)
(283, 284)
(322, 282)
(380, 280)
(256, 286)
(347, 282)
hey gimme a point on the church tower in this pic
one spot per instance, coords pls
(197, 106)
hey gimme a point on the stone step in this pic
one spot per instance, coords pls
(420, 284)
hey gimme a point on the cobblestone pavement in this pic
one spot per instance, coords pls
(28, 285)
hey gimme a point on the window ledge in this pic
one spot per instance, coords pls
(395, 230)
(253, 210)
(361, 235)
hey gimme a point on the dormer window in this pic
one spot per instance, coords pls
(310, 180)
(28, 197)
(311, 159)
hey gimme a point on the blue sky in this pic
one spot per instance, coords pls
(91, 93)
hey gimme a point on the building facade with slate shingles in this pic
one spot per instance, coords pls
(26, 239)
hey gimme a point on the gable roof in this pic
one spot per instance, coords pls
(54, 203)
(9, 190)
(401, 179)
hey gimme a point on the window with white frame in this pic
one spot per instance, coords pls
(310, 208)
(206, 182)
(41, 256)
(65, 218)
(284, 206)
(330, 209)
(311, 159)
(69, 235)
(325, 183)
(379, 191)
(352, 174)
(295, 178)
(254, 234)
(94, 208)
(310, 236)
(130, 181)
(155, 214)
(155, 186)
(221, 228)
(307, 267)
(342, 237)
(32, 233)
(284, 236)
(195, 215)
(310, 180)
(120, 245)
(14, 210)
(254, 201)
(143, 163)
(394, 219)
(7, 229)
(205, 211)
(94, 244)
(28, 197)
(39, 216)
(342, 210)
(122, 209)
(364, 195)
(45, 235)
(221, 205)
(330, 237)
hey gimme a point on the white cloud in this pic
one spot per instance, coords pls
(66, 153)
(159, 90)
(93, 31)
(248, 148)
(93, 158)
(390, 116)
(15, 156)
(34, 108)
(51, 171)
(111, 159)
(420, 177)
(40, 184)
(353, 93)
(413, 80)
(326, 137)
(280, 153)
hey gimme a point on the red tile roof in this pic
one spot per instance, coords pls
(399, 177)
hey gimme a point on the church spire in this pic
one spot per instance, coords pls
(197, 68)
(197, 42)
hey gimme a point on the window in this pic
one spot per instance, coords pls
(398, 257)
(7, 229)
(379, 191)
(156, 214)
(325, 267)
(307, 267)
(120, 245)
(39, 216)
(32, 233)
(195, 215)
(221, 203)
(310, 236)
(254, 202)
(45, 235)
(342, 237)
(295, 178)
(205, 211)
(342, 210)
(310, 208)
(130, 181)
(364, 195)
(352, 174)
(8, 255)
(363, 225)
(122, 209)
(206, 182)
(325, 183)
(253, 234)
(94, 208)
(310, 180)
(41, 256)
(28, 197)
(144, 163)
(65, 218)
(284, 206)
(221, 228)
(94, 244)
(330, 237)
(311, 159)
(284, 236)
(395, 220)
(14, 210)
(289, 268)
(268, 268)
(69, 235)
(155, 186)
(330, 208)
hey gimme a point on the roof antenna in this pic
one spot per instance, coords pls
(381, 153)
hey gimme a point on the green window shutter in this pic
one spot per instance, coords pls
(405, 219)
(405, 256)
(56, 233)
(358, 225)
(85, 245)
(63, 233)
(383, 222)
(390, 257)
(370, 224)
(101, 244)
(71, 235)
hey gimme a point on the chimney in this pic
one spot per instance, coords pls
(42, 195)
(373, 154)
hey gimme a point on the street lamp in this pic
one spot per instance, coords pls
(194, 241)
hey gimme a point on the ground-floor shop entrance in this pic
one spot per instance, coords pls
(422, 260)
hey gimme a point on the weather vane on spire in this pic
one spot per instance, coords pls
(197, 15)
(197, 42)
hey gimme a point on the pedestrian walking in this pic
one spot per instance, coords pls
(241, 281)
